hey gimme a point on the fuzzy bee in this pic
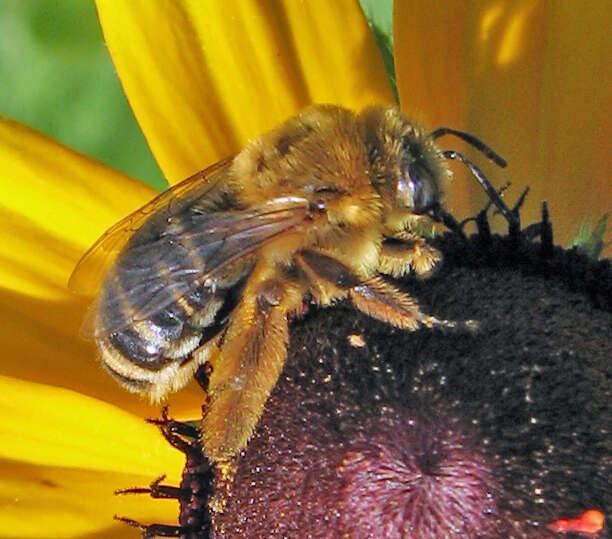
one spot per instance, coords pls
(319, 209)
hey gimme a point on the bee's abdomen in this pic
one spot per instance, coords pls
(139, 350)
(148, 356)
(156, 308)
(170, 334)
(142, 355)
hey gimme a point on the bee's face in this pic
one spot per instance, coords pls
(406, 167)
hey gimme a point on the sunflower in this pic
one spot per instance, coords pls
(203, 79)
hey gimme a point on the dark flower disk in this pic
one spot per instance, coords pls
(427, 434)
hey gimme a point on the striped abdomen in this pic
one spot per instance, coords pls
(152, 317)
(148, 355)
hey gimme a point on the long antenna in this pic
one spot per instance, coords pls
(471, 139)
(484, 182)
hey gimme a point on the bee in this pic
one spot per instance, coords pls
(319, 210)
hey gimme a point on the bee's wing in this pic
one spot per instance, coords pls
(89, 273)
(169, 260)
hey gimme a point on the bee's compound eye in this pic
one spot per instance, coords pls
(422, 188)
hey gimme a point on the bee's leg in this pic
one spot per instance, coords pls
(405, 252)
(374, 296)
(383, 301)
(253, 351)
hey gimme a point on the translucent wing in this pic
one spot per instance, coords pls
(174, 254)
(89, 273)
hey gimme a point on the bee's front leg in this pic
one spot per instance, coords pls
(405, 252)
(253, 352)
(373, 296)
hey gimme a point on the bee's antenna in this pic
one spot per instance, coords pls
(485, 183)
(471, 139)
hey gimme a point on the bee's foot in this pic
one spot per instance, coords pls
(461, 326)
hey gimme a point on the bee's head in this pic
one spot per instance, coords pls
(406, 167)
(417, 186)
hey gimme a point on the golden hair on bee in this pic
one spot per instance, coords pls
(319, 209)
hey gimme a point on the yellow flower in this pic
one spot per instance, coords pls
(203, 79)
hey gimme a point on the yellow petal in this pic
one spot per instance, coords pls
(205, 77)
(430, 48)
(41, 343)
(528, 78)
(55, 203)
(55, 427)
(428, 42)
(42, 501)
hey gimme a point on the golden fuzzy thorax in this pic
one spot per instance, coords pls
(341, 193)
(328, 146)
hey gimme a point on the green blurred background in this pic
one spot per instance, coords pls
(57, 77)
